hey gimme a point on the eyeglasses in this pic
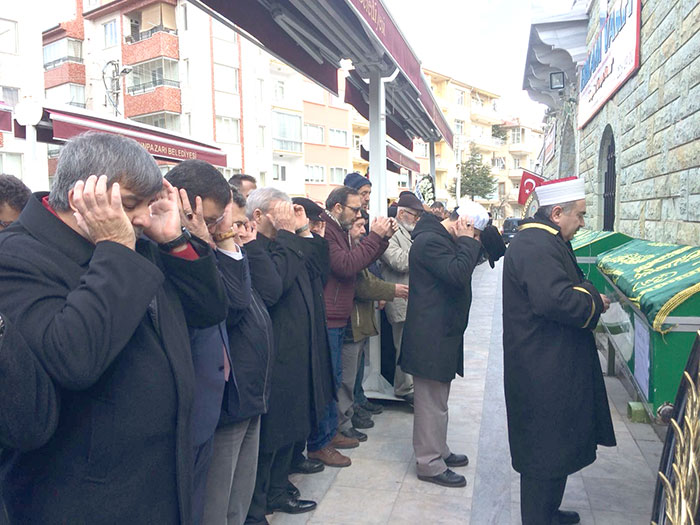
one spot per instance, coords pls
(417, 214)
(353, 208)
(213, 222)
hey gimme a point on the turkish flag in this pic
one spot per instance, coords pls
(528, 183)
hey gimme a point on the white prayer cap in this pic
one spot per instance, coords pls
(561, 191)
(473, 210)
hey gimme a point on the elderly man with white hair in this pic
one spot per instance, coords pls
(441, 261)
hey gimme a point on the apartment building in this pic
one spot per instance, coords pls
(20, 78)
(169, 65)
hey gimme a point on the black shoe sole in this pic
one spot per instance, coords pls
(442, 483)
(362, 424)
(314, 470)
(290, 511)
(361, 439)
(458, 463)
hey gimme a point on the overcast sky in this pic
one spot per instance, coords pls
(479, 42)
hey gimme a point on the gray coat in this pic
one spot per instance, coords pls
(395, 270)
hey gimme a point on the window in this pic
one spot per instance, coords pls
(516, 163)
(8, 36)
(149, 75)
(92, 3)
(149, 20)
(110, 30)
(338, 175)
(459, 127)
(11, 164)
(64, 50)
(516, 135)
(164, 119)
(286, 132)
(403, 180)
(261, 136)
(187, 124)
(314, 133)
(501, 189)
(73, 94)
(53, 150)
(186, 63)
(261, 90)
(315, 173)
(9, 95)
(499, 163)
(262, 178)
(229, 172)
(279, 90)
(225, 78)
(460, 97)
(223, 32)
(338, 137)
(228, 130)
(184, 17)
(421, 149)
(279, 172)
(356, 143)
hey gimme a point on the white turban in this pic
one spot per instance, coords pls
(475, 211)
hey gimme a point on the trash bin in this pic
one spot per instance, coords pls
(588, 244)
(655, 288)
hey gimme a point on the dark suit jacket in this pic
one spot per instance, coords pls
(109, 325)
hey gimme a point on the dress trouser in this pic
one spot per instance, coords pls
(271, 482)
(351, 354)
(540, 499)
(231, 478)
(202, 460)
(403, 383)
(430, 425)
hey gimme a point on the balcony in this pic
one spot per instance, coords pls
(487, 144)
(154, 43)
(484, 114)
(519, 148)
(57, 62)
(64, 73)
(145, 87)
(287, 145)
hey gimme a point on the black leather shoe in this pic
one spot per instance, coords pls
(567, 516)
(352, 432)
(308, 466)
(292, 490)
(372, 408)
(361, 422)
(446, 479)
(408, 398)
(292, 506)
(457, 460)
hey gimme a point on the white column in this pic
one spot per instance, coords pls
(432, 161)
(377, 144)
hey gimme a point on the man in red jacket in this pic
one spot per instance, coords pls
(343, 206)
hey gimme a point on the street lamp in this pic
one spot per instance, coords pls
(114, 88)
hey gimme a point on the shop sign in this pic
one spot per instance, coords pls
(613, 57)
(549, 142)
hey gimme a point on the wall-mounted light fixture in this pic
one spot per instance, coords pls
(556, 80)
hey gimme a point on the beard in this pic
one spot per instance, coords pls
(138, 231)
(408, 227)
(346, 225)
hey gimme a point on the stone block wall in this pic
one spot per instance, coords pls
(655, 122)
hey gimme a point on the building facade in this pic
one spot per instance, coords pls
(626, 118)
(21, 78)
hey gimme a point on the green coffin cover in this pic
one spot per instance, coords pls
(656, 277)
(587, 237)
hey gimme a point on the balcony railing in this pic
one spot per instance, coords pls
(143, 35)
(287, 145)
(55, 63)
(139, 89)
(77, 104)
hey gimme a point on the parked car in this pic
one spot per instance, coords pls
(510, 228)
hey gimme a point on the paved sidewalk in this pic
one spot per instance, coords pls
(381, 485)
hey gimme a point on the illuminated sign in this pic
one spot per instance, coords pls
(613, 56)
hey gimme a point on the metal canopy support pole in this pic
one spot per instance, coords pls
(432, 162)
(377, 143)
(374, 383)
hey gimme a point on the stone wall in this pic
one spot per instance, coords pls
(655, 123)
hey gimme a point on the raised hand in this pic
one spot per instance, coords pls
(193, 218)
(606, 302)
(401, 291)
(300, 218)
(165, 225)
(282, 216)
(382, 227)
(100, 214)
(248, 232)
(464, 227)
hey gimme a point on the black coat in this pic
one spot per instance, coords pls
(301, 373)
(29, 401)
(109, 325)
(440, 271)
(251, 340)
(555, 395)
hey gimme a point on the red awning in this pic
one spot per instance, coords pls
(5, 119)
(60, 126)
(395, 159)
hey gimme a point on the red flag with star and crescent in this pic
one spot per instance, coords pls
(528, 182)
